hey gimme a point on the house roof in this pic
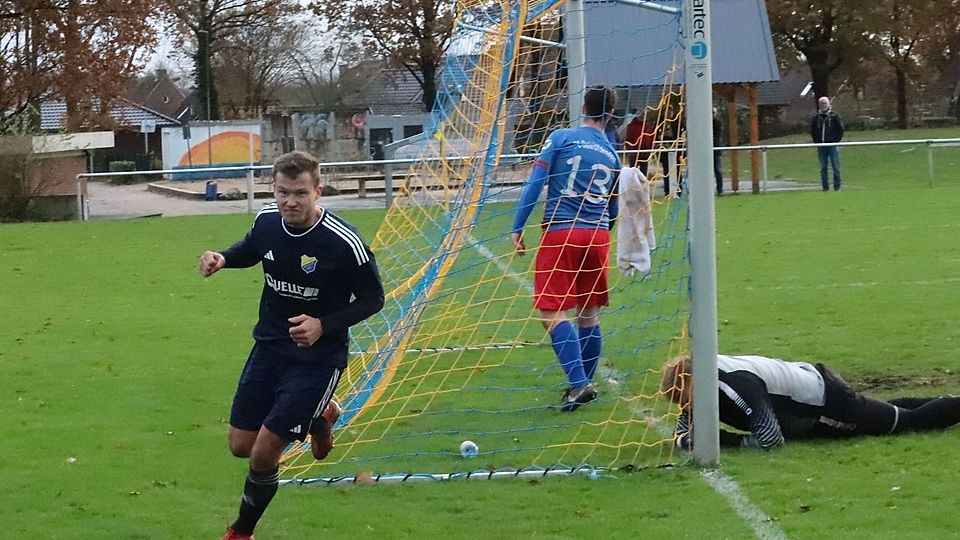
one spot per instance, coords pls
(124, 112)
(742, 47)
(391, 91)
(157, 92)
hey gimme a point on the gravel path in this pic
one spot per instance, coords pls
(107, 201)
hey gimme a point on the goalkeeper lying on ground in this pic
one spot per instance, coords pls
(775, 401)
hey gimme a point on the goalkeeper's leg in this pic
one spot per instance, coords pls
(936, 413)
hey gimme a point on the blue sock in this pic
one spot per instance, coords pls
(590, 342)
(567, 346)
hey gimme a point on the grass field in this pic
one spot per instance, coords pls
(118, 364)
(864, 167)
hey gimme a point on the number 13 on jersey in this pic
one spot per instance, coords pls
(599, 177)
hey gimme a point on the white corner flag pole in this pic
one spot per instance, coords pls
(703, 265)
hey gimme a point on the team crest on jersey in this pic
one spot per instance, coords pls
(308, 264)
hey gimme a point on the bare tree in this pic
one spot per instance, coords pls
(209, 24)
(257, 61)
(322, 80)
(412, 34)
(21, 178)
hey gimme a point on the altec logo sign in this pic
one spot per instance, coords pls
(698, 23)
(699, 20)
(699, 50)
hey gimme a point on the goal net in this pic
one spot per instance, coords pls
(458, 353)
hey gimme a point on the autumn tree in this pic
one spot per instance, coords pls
(899, 29)
(822, 32)
(210, 25)
(411, 34)
(81, 51)
(940, 53)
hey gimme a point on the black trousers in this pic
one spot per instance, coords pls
(848, 412)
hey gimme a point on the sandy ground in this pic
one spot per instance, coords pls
(107, 201)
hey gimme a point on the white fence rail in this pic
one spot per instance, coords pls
(388, 165)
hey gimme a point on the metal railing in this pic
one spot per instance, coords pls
(387, 165)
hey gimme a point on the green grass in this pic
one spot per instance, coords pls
(118, 365)
(862, 167)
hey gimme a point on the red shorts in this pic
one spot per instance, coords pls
(571, 269)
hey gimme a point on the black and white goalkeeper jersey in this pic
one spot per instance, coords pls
(767, 397)
(326, 272)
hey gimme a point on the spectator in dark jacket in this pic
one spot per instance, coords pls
(718, 154)
(671, 133)
(826, 127)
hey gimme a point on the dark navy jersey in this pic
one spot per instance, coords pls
(326, 272)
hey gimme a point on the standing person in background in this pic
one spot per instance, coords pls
(319, 280)
(622, 128)
(827, 127)
(612, 131)
(639, 135)
(671, 131)
(578, 165)
(718, 154)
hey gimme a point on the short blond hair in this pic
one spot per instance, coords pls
(676, 380)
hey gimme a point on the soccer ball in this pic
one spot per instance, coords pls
(469, 449)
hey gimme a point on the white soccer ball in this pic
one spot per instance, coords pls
(469, 449)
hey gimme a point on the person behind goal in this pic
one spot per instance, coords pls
(578, 166)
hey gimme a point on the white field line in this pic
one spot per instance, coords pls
(782, 232)
(763, 526)
(855, 285)
(486, 253)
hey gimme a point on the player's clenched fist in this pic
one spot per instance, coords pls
(210, 262)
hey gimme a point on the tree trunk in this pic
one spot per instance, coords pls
(818, 60)
(901, 98)
(72, 86)
(429, 70)
(203, 75)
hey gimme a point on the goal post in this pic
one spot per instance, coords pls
(459, 353)
(703, 266)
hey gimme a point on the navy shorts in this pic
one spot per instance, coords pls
(284, 395)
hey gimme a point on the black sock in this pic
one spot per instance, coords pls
(910, 402)
(939, 413)
(258, 491)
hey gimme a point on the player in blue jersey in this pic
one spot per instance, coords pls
(774, 401)
(319, 280)
(579, 167)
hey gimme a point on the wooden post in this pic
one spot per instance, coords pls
(754, 136)
(734, 137)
